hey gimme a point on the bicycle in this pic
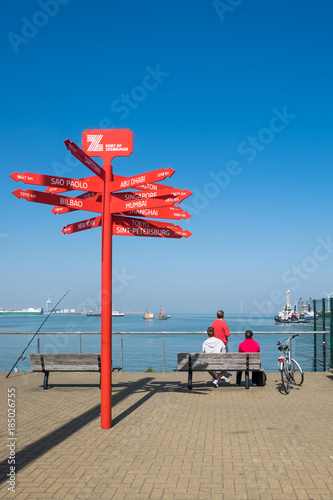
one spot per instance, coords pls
(291, 372)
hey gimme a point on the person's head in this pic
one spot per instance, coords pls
(220, 314)
(248, 334)
(210, 331)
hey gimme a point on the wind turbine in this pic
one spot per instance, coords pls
(328, 300)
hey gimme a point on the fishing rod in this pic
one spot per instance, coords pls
(47, 317)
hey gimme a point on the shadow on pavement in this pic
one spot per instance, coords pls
(147, 386)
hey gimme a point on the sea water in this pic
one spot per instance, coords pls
(146, 350)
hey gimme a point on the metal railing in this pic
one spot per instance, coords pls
(320, 351)
(323, 318)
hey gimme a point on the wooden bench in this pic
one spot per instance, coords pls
(231, 361)
(47, 363)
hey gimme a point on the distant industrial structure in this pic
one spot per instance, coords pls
(48, 307)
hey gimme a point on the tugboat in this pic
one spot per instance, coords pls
(289, 315)
(148, 315)
(95, 312)
(163, 315)
(117, 314)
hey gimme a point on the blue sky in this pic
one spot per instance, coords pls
(235, 96)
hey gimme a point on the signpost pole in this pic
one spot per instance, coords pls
(106, 315)
(152, 199)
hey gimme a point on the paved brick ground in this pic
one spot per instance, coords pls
(167, 442)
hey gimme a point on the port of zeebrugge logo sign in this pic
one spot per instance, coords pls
(121, 144)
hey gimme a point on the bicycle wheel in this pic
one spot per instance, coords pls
(297, 375)
(285, 377)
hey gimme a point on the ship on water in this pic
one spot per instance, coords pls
(115, 313)
(162, 315)
(290, 315)
(148, 315)
(29, 311)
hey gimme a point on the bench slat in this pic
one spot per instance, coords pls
(232, 361)
(65, 362)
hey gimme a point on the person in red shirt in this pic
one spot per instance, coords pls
(221, 329)
(248, 345)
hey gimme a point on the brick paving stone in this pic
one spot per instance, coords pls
(157, 494)
(302, 494)
(42, 496)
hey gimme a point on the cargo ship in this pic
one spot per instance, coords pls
(115, 314)
(29, 311)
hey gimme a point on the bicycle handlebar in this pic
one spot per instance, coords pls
(283, 346)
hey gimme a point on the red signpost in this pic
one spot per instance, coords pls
(152, 200)
(65, 183)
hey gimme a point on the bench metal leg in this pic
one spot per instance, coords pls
(46, 380)
(247, 372)
(189, 383)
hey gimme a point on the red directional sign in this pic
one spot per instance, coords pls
(67, 184)
(93, 179)
(136, 195)
(130, 226)
(160, 213)
(168, 212)
(162, 189)
(90, 205)
(84, 224)
(119, 183)
(120, 204)
(84, 158)
(84, 196)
